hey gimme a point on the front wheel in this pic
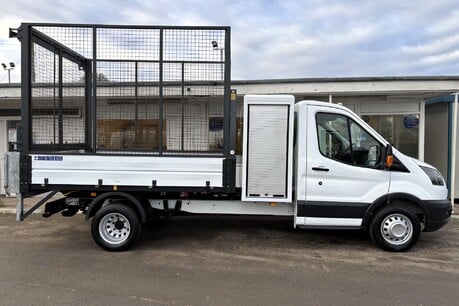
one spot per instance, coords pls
(115, 227)
(395, 229)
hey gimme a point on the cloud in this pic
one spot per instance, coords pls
(284, 39)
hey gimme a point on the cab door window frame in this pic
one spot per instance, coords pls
(365, 151)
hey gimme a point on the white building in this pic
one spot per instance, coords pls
(413, 113)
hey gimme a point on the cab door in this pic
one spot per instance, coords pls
(345, 172)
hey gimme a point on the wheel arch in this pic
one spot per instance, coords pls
(410, 201)
(96, 204)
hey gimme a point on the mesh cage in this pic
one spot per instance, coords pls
(128, 89)
(58, 102)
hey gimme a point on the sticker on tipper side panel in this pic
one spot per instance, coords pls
(48, 157)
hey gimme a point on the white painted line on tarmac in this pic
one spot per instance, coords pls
(13, 211)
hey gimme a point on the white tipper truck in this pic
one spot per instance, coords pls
(132, 122)
(317, 162)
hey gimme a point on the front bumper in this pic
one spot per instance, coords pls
(440, 213)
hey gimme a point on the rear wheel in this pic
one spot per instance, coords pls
(395, 229)
(116, 227)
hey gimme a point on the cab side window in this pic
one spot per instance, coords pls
(342, 139)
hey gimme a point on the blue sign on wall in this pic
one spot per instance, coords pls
(216, 124)
(410, 121)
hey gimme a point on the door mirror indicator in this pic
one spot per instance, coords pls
(389, 156)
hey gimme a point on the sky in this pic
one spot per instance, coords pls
(280, 39)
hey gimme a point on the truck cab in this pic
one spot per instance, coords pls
(343, 180)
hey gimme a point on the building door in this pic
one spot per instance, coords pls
(9, 132)
(13, 134)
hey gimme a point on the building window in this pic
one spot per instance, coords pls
(402, 131)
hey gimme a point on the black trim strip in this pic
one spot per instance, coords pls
(321, 209)
(301, 208)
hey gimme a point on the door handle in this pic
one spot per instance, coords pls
(320, 169)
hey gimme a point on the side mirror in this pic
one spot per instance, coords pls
(389, 157)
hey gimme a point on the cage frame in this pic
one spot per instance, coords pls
(28, 35)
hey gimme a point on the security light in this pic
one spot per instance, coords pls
(215, 44)
(5, 67)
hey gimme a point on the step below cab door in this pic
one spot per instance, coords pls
(344, 169)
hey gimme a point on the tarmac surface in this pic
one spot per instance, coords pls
(221, 260)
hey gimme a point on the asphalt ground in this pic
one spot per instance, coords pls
(221, 260)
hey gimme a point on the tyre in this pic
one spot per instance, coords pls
(116, 227)
(394, 228)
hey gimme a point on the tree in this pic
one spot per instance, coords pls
(100, 78)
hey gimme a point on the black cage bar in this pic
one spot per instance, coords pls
(150, 90)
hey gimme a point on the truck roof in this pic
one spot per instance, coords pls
(353, 115)
(321, 103)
